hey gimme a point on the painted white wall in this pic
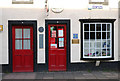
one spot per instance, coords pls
(73, 10)
(0, 37)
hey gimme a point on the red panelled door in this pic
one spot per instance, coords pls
(22, 37)
(57, 47)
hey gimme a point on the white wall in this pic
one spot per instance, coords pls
(73, 10)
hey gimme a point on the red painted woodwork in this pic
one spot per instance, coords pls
(22, 58)
(57, 56)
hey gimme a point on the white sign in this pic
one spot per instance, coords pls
(60, 33)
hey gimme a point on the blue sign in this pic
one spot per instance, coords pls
(75, 36)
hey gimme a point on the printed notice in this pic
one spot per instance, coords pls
(60, 32)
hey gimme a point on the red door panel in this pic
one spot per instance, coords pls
(57, 47)
(22, 37)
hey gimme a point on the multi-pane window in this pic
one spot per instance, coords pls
(97, 40)
(22, 38)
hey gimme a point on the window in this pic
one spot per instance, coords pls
(104, 2)
(22, 38)
(22, 1)
(97, 40)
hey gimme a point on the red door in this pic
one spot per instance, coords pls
(57, 47)
(22, 37)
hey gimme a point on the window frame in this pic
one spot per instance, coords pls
(112, 38)
(22, 2)
(103, 3)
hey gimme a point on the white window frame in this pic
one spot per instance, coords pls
(101, 40)
(22, 1)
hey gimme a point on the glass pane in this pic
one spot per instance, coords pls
(86, 52)
(98, 35)
(86, 27)
(98, 45)
(86, 44)
(18, 44)
(108, 35)
(92, 35)
(103, 27)
(108, 27)
(103, 35)
(92, 44)
(108, 43)
(98, 27)
(108, 52)
(60, 31)
(92, 52)
(26, 44)
(92, 27)
(104, 52)
(26, 33)
(61, 42)
(18, 33)
(86, 35)
(98, 52)
(53, 30)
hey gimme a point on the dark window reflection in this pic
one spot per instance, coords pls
(92, 35)
(98, 35)
(92, 27)
(103, 27)
(98, 27)
(86, 35)
(86, 27)
(103, 35)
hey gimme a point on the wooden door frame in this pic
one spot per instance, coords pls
(32, 23)
(58, 21)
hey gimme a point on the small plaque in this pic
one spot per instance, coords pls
(41, 29)
(75, 41)
(1, 27)
(75, 36)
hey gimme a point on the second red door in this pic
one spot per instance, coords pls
(57, 47)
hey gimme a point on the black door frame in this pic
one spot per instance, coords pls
(32, 23)
(58, 21)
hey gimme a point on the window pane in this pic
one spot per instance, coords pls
(18, 33)
(86, 52)
(86, 44)
(98, 44)
(53, 30)
(108, 27)
(86, 35)
(26, 33)
(18, 44)
(98, 27)
(26, 44)
(108, 52)
(103, 27)
(92, 35)
(86, 27)
(108, 35)
(92, 27)
(92, 52)
(103, 35)
(92, 44)
(98, 52)
(98, 35)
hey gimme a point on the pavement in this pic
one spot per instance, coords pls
(62, 75)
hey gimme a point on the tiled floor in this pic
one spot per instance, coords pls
(62, 75)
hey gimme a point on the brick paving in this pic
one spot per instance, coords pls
(62, 75)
